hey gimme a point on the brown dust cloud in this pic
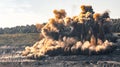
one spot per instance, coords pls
(85, 34)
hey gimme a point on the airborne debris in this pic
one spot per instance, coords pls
(82, 34)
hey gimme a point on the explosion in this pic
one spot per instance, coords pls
(86, 33)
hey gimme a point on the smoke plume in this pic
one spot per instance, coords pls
(86, 33)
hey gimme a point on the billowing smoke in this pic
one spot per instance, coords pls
(88, 33)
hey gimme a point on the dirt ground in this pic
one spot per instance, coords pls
(10, 56)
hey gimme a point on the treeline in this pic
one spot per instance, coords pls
(115, 26)
(19, 29)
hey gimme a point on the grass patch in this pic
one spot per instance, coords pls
(18, 39)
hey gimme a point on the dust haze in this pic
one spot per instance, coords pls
(87, 33)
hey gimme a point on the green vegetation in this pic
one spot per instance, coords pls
(115, 25)
(29, 34)
(18, 39)
(19, 29)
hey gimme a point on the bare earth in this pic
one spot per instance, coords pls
(10, 56)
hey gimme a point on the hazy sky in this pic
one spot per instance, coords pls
(22, 12)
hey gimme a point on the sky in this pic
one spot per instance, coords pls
(23, 12)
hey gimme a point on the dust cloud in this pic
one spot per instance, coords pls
(87, 33)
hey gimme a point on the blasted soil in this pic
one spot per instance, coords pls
(10, 56)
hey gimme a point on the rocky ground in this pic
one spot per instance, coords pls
(10, 56)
